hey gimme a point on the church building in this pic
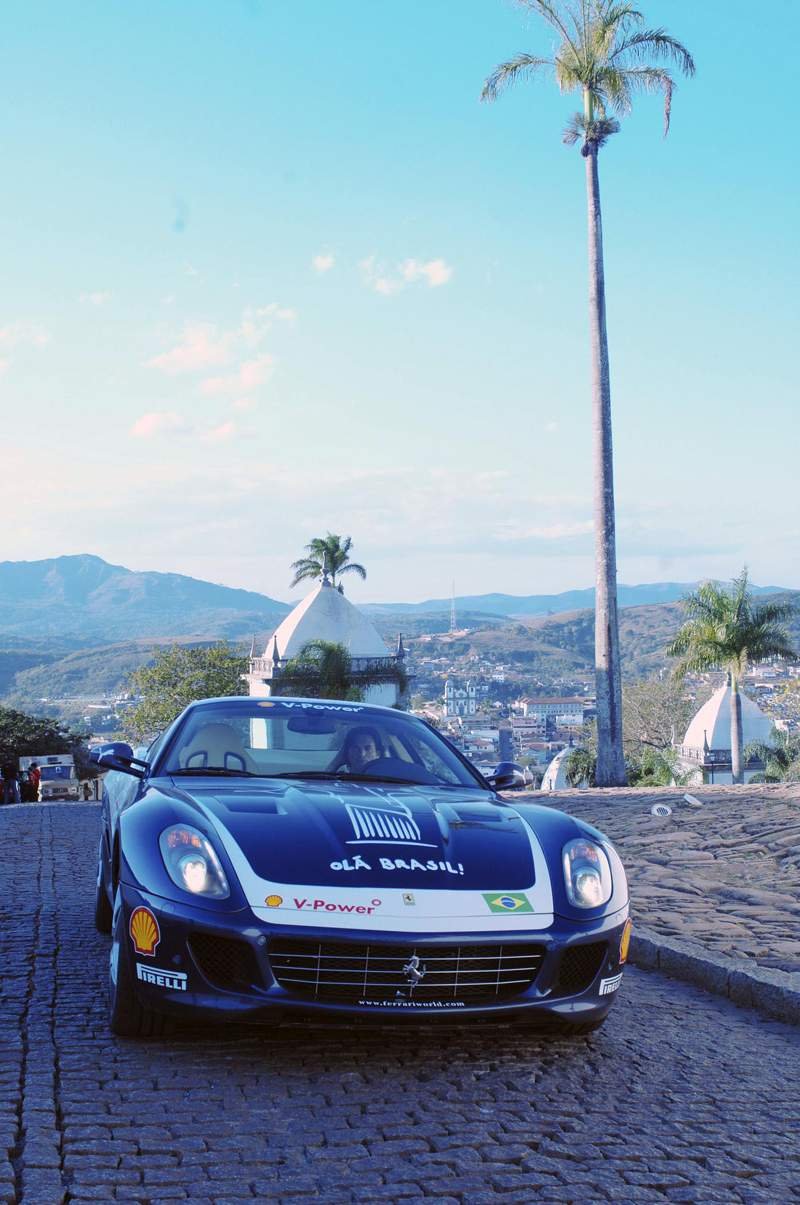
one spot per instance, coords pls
(325, 614)
(706, 747)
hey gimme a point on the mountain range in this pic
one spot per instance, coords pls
(76, 627)
(83, 600)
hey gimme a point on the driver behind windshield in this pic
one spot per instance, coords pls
(361, 747)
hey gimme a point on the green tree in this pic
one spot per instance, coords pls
(580, 767)
(179, 675)
(650, 767)
(654, 713)
(23, 735)
(327, 558)
(324, 670)
(726, 630)
(605, 54)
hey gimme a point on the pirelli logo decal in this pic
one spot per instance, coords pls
(173, 981)
(607, 986)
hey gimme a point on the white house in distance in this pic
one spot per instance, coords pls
(325, 614)
(706, 747)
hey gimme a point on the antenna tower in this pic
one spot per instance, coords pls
(453, 609)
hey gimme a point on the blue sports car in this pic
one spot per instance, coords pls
(267, 857)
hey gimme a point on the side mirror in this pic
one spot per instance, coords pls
(503, 781)
(118, 756)
(507, 777)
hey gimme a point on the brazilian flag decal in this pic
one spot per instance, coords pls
(507, 901)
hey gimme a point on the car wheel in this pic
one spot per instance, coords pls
(102, 907)
(128, 1018)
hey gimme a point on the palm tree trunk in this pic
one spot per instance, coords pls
(736, 731)
(610, 756)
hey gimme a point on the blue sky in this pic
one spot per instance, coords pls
(271, 269)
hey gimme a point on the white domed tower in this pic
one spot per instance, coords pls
(325, 614)
(706, 747)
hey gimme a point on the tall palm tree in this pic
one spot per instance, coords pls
(328, 557)
(726, 630)
(606, 54)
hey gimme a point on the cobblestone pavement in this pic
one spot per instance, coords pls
(724, 874)
(680, 1097)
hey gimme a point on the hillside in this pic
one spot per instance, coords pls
(563, 645)
(88, 600)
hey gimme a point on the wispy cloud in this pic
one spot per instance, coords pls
(387, 281)
(219, 434)
(204, 345)
(22, 334)
(258, 320)
(157, 422)
(323, 262)
(97, 298)
(250, 375)
(201, 346)
(435, 271)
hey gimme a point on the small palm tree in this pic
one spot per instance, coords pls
(321, 670)
(726, 630)
(781, 758)
(580, 767)
(327, 558)
(607, 56)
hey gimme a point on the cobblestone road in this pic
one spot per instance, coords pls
(681, 1097)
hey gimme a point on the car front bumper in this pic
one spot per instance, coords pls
(213, 966)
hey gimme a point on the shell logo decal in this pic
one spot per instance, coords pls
(274, 901)
(144, 931)
(625, 942)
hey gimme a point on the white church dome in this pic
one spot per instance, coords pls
(712, 723)
(325, 614)
(555, 776)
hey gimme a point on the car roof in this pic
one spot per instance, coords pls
(367, 708)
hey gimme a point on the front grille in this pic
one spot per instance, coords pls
(330, 970)
(225, 961)
(578, 967)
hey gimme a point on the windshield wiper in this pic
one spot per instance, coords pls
(198, 770)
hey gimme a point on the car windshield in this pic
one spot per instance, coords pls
(309, 740)
(56, 771)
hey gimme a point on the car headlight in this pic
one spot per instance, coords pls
(192, 863)
(587, 874)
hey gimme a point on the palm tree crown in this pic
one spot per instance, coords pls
(726, 630)
(328, 557)
(603, 54)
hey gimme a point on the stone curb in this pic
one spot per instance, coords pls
(774, 993)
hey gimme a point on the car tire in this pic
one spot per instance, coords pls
(127, 1017)
(102, 908)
